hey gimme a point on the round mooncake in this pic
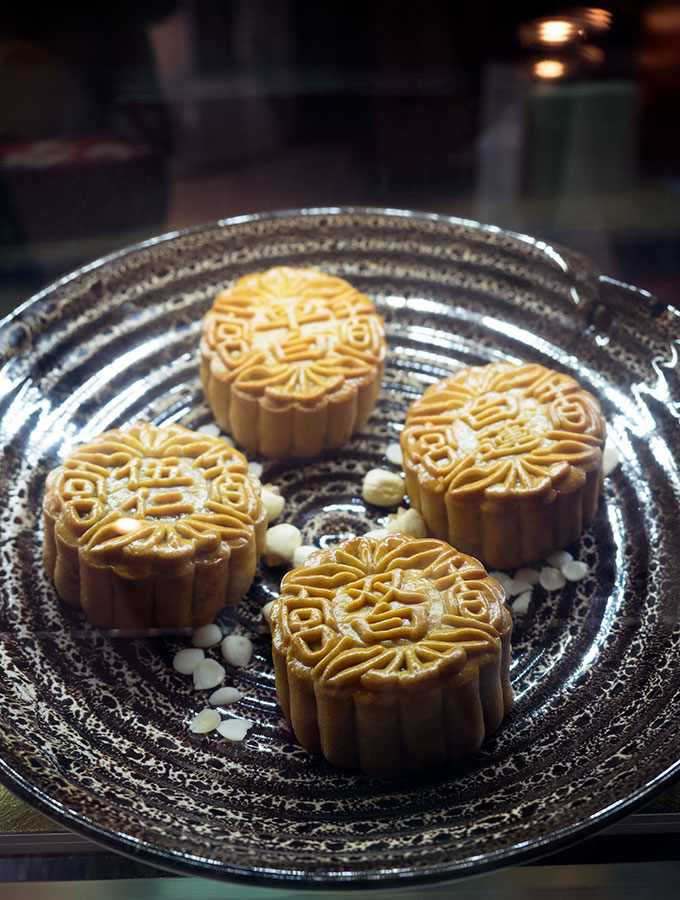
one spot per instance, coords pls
(291, 361)
(392, 654)
(504, 461)
(153, 527)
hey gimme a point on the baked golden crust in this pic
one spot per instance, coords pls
(291, 361)
(392, 654)
(505, 461)
(153, 527)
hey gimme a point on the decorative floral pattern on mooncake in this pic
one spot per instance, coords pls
(153, 527)
(505, 461)
(291, 361)
(392, 654)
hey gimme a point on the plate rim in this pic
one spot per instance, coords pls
(147, 854)
(310, 211)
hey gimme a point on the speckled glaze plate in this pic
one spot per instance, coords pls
(94, 726)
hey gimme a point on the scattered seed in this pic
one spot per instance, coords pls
(517, 586)
(394, 454)
(407, 522)
(208, 674)
(237, 649)
(234, 729)
(527, 574)
(273, 501)
(207, 636)
(255, 468)
(551, 579)
(267, 612)
(224, 696)
(559, 558)
(502, 578)
(520, 605)
(574, 570)
(281, 543)
(610, 458)
(185, 661)
(204, 721)
(210, 428)
(301, 554)
(382, 488)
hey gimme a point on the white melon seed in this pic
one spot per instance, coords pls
(281, 542)
(382, 488)
(204, 721)
(273, 501)
(301, 553)
(394, 455)
(185, 661)
(267, 612)
(574, 570)
(407, 521)
(207, 636)
(520, 605)
(234, 729)
(559, 558)
(208, 674)
(502, 578)
(551, 579)
(527, 574)
(237, 649)
(224, 696)
(518, 586)
(610, 458)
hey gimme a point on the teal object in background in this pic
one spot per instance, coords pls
(581, 138)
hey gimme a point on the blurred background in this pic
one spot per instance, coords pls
(119, 121)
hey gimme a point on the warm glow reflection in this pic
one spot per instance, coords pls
(555, 31)
(127, 525)
(598, 19)
(663, 19)
(593, 55)
(549, 68)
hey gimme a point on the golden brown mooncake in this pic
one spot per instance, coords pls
(504, 461)
(152, 527)
(392, 654)
(291, 361)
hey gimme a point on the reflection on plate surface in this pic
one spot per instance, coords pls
(95, 725)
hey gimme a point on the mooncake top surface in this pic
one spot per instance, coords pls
(293, 334)
(167, 494)
(502, 430)
(379, 611)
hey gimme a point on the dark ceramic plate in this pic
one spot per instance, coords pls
(94, 726)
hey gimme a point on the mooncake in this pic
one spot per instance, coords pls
(149, 527)
(291, 361)
(391, 655)
(504, 461)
